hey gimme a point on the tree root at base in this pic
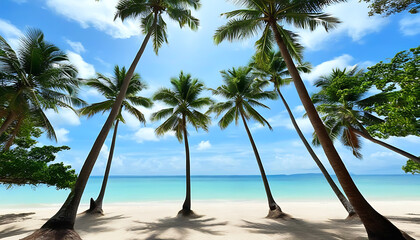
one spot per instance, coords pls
(94, 208)
(278, 214)
(53, 234)
(187, 214)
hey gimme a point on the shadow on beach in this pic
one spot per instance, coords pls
(299, 229)
(408, 218)
(14, 217)
(180, 225)
(95, 223)
(13, 231)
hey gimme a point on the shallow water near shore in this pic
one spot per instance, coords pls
(299, 187)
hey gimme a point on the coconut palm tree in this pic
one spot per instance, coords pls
(337, 102)
(36, 79)
(110, 89)
(184, 102)
(270, 17)
(150, 12)
(243, 94)
(273, 69)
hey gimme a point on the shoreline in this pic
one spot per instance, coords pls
(220, 220)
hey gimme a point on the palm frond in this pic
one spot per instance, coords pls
(95, 108)
(237, 29)
(134, 111)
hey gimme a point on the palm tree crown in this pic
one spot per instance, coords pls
(262, 15)
(242, 94)
(184, 101)
(273, 68)
(110, 89)
(150, 12)
(337, 103)
(39, 77)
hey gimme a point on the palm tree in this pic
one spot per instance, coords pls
(110, 89)
(184, 101)
(338, 100)
(274, 70)
(269, 15)
(36, 79)
(150, 13)
(243, 94)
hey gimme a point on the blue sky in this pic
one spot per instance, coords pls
(95, 43)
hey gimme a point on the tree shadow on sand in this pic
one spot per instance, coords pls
(12, 217)
(408, 218)
(13, 231)
(299, 229)
(180, 224)
(95, 223)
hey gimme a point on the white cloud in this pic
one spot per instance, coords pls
(99, 15)
(145, 134)
(85, 69)
(410, 25)
(355, 23)
(148, 134)
(104, 151)
(283, 120)
(62, 135)
(325, 68)
(76, 46)
(203, 145)
(304, 125)
(299, 109)
(10, 32)
(64, 116)
(130, 120)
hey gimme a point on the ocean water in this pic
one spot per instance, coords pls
(301, 187)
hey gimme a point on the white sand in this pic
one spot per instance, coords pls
(220, 220)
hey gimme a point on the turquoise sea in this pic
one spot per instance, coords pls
(300, 187)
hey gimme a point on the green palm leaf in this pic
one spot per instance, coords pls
(184, 101)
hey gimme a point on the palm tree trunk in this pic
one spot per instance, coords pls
(96, 205)
(376, 225)
(64, 219)
(9, 142)
(9, 119)
(275, 210)
(338, 193)
(186, 207)
(366, 135)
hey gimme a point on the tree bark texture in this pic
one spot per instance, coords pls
(377, 226)
(338, 193)
(271, 202)
(366, 135)
(9, 119)
(96, 206)
(65, 217)
(186, 207)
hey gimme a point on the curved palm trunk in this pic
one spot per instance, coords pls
(63, 221)
(376, 225)
(186, 207)
(275, 210)
(9, 142)
(96, 205)
(338, 193)
(366, 135)
(9, 119)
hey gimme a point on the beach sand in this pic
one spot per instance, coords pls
(233, 220)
